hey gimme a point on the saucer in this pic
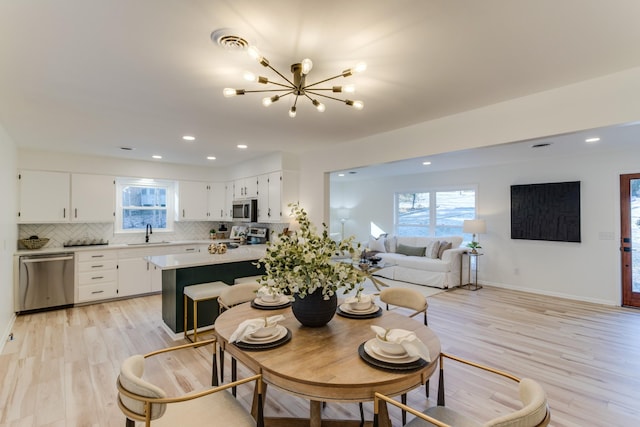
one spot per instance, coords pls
(374, 351)
(347, 309)
(280, 332)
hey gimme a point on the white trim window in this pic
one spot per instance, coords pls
(433, 212)
(141, 201)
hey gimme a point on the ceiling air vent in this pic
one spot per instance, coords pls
(227, 39)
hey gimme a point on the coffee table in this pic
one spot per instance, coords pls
(323, 364)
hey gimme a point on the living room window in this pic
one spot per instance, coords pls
(143, 201)
(434, 213)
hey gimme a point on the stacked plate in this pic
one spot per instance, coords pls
(346, 310)
(281, 302)
(373, 350)
(279, 333)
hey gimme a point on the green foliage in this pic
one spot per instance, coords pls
(474, 245)
(300, 262)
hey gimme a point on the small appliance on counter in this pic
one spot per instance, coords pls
(257, 235)
(85, 242)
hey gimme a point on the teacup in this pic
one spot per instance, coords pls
(265, 331)
(389, 347)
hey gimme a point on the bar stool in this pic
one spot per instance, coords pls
(197, 293)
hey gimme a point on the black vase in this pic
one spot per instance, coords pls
(313, 310)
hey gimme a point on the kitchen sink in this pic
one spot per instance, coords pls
(147, 243)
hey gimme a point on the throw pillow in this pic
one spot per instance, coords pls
(390, 244)
(410, 250)
(377, 245)
(443, 247)
(432, 249)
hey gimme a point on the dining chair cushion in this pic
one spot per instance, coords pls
(217, 409)
(446, 415)
(532, 413)
(403, 297)
(131, 380)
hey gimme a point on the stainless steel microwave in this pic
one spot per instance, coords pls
(245, 210)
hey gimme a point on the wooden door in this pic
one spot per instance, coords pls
(630, 238)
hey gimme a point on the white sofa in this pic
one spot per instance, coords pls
(438, 267)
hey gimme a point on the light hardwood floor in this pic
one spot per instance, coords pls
(60, 369)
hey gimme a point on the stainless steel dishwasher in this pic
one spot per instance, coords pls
(45, 281)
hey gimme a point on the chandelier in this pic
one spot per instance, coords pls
(297, 86)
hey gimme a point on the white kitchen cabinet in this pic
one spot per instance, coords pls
(134, 276)
(228, 201)
(275, 191)
(97, 275)
(93, 198)
(44, 197)
(156, 279)
(192, 202)
(263, 198)
(217, 195)
(246, 188)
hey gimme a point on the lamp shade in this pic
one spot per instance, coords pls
(343, 214)
(474, 226)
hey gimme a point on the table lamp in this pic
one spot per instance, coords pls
(474, 226)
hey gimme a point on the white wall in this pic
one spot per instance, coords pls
(605, 101)
(8, 231)
(588, 271)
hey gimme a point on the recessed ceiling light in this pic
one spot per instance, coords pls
(541, 145)
(426, 163)
(127, 148)
(155, 156)
(595, 139)
(211, 158)
(189, 138)
(340, 174)
(242, 146)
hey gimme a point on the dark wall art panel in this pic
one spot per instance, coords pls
(546, 211)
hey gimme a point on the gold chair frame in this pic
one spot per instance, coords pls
(380, 408)
(256, 412)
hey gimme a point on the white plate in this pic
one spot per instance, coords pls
(347, 309)
(370, 348)
(283, 300)
(281, 331)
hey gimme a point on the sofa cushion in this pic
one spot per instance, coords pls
(410, 250)
(423, 263)
(432, 249)
(443, 247)
(377, 245)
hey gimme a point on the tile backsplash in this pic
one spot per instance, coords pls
(59, 234)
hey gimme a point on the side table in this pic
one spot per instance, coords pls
(473, 285)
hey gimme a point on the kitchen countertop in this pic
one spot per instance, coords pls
(58, 249)
(175, 261)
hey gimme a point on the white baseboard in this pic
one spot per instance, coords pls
(7, 332)
(552, 294)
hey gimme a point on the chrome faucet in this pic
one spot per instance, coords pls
(149, 231)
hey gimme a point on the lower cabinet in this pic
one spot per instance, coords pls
(134, 276)
(97, 273)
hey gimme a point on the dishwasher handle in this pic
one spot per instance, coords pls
(62, 258)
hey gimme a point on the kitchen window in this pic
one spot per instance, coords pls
(141, 202)
(434, 213)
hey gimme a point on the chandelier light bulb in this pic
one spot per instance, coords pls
(358, 105)
(307, 65)
(249, 76)
(266, 101)
(348, 88)
(319, 105)
(360, 67)
(254, 53)
(292, 112)
(229, 92)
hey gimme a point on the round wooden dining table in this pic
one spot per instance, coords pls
(323, 364)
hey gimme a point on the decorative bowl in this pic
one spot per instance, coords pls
(389, 347)
(34, 243)
(266, 331)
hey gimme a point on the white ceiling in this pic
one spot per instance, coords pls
(91, 77)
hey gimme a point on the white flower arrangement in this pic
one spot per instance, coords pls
(300, 262)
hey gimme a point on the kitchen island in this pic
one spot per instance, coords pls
(180, 270)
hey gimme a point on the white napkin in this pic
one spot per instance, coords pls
(360, 298)
(407, 339)
(249, 326)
